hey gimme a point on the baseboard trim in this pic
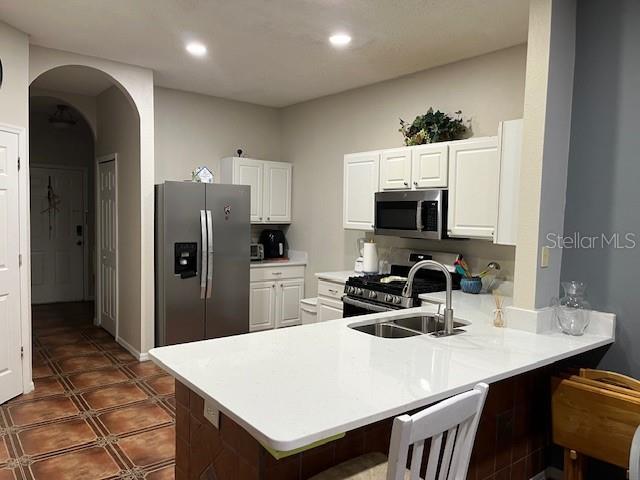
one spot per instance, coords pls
(141, 357)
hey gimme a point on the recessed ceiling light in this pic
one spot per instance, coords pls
(197, 49)
(340, 39)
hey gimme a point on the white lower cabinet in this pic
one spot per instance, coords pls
(262, 310)
(329, 300)
(274, 299)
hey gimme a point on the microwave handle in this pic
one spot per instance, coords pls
(419, 225)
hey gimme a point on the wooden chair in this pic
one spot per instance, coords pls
(451, 425)
(634, 457)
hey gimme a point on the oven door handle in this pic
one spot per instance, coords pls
(366, 305)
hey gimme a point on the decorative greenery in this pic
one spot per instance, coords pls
(434, 127)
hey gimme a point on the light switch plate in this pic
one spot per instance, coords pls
(544, 257)
(212, 414)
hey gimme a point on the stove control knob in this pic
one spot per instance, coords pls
(388, 298)
(350, 290)
(358, 291)
(397, 300)
(373, 294)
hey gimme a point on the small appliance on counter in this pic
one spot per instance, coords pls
(257, 252)
(358, 267)
(370, 258)
(274, 243)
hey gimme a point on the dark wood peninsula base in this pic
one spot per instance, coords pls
(512, 439)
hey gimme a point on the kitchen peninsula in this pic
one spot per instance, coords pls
(289, 403)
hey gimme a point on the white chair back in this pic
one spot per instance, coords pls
(451, 425)
(634, 457)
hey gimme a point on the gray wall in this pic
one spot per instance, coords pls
(603, 194)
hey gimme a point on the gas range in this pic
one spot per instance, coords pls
(377, 293)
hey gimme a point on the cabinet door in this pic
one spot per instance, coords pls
(277, 192)
(262, 306)
(510, 149)
(395, 169)
(473, 188)
(250, 172)
(290, 292)
(360, 183)
(329, 309)
(429, 166)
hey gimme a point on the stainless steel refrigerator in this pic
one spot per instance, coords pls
(202, 261)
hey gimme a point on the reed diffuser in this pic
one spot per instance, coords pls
(498, 318)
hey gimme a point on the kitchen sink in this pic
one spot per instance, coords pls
(404, 327)
(385, 330)
(423, 323)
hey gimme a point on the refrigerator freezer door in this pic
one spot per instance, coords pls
(227, 309)
(182, 310)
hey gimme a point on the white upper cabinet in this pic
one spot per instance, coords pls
(270, 184)
(277, 192)
(395, 169)
(474, 172)
(429, 166)
(510, 149)
(359, 188)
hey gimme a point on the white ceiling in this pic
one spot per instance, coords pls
(273, 52)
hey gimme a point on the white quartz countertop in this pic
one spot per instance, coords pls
(277, 263)
(472, 307)
(293, 386)
(338, 277)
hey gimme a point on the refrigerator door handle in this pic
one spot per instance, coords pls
(209, 254)
(203, 254)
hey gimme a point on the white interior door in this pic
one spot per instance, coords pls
(10, 338)
(107, 223)
(57, 235)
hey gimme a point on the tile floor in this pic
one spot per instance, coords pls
(96, 412)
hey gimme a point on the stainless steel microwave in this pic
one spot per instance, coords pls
(412, 214)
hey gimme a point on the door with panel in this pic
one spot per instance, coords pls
(277, 192)
(474, 172)
(107, 246)
(360, 185)
(57, 234)
(262, 305)
(395, 169)
(429, 166)
(251, 172)
(11, 339)
(329, 309)
(289, 294)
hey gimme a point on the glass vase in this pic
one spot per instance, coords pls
(573, 309)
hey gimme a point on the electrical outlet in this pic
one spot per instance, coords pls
(212, 414)
(544, 257)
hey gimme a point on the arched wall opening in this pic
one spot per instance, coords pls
(116, 101)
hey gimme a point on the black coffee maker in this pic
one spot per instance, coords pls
(275, 245)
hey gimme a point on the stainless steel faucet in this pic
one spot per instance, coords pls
(407, 291)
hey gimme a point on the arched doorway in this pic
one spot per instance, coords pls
(96, 106)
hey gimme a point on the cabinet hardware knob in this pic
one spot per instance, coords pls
(406, 184)
(415, 183)
(260, 218)
(268, 218)
(273, 286)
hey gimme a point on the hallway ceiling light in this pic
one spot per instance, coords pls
(62, 117)
(340, 40)
(196, 49)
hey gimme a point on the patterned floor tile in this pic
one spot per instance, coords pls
(58, 436)
(164, 385)
(72, 350)
(116, 395)
(84, 362)
(89, 464)
(145, 369)
(150, 448)
(90, 416)
(37, 411)
(96, 378)
(166, 473)
(135, 417)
